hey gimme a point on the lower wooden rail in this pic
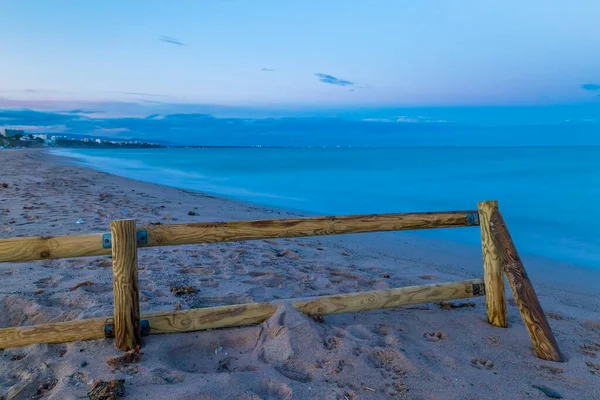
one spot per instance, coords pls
(244, 314)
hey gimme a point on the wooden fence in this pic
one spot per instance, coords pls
(127, 325)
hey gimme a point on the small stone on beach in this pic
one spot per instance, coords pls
(183, 290)
(548, 392)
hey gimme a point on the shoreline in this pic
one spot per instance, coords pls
(382, 349)
(539, 235)
(545, 269)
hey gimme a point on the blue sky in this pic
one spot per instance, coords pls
(384, 61)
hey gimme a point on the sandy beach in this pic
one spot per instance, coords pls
(429, 351)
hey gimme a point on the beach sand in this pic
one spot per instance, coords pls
(418, 352)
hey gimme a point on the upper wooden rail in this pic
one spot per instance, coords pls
(40, 248)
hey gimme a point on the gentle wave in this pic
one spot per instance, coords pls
(546, 194)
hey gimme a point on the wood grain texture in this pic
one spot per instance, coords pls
(35, 248)
(495, 299)
(60, 332)
(125, 284)
(378, 299)
(210, 318)
(238, 315)
(544, 343)
(42, 248)
(212, 232)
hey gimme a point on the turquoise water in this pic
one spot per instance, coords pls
(548, 195)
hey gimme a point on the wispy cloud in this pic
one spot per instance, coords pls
(79, 111)
(41, 91)
(407, 119)
(142, 94)
(171, 40)
(267, 69)
(590, 87)
(332, 80)
(39, 128)
(110, 130)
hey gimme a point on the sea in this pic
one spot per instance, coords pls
(549, 196)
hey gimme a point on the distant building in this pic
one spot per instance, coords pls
(98, 141)
(41, 136)
(7, 132)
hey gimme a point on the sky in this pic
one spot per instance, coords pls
(395, 62)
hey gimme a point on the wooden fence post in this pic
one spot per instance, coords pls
(544, 343)
(125, 284)
(495, 299)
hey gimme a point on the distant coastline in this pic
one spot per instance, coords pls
(19, 139)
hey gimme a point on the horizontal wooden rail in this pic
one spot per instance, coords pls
(244, 314)
(40, 248)
(45, 247)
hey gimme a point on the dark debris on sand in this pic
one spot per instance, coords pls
(130, 357)
(180, 291)
(111, 390)
(44, 388)
(446, 305)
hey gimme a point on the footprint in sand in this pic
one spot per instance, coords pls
(197, 270)
(296, 371)
(163, 376)
(208, 283)
(390, 341)
(435, 336)
(257, 293)
(482, 363)
(45, 283)
(342, 274)
(97, 288)
(218, 352)
(383, 330)
(274, 390)
(274, 282)
(245, 396)
(361, 333)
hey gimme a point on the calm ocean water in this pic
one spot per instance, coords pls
(548, 195)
